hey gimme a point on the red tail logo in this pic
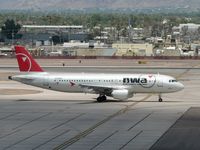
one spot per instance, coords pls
(72, 83)
(25, 60)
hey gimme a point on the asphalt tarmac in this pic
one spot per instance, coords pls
(43, 119)
(184, 134)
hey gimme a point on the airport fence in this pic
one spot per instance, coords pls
(111, 57)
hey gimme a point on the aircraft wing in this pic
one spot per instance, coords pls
(102, 89)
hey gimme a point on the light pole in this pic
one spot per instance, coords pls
(12, 35)
(51, 39)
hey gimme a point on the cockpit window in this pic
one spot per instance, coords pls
(171, 81)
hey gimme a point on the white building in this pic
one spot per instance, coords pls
(127, 49)
(78, 44)
(191, 27)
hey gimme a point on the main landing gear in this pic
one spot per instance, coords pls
(101, 98)
(160, 98)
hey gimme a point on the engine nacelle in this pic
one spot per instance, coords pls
(121, 94)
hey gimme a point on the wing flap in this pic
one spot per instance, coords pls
(101, 89)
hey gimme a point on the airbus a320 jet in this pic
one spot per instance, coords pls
(118, 86)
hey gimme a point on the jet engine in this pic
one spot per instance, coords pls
(121, 94)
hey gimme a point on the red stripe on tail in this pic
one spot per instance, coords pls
(25, 60)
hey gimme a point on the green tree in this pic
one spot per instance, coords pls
(10, 29)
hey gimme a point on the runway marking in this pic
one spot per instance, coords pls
(104, 140)
(130, 140)
(51, 139)
(187, 70)
(23, 139)
(83, 134)
(32, 120)
(139, 121)
(10, 134)
(183, 73)
(184, 131)
(67, 121)
(11, 115)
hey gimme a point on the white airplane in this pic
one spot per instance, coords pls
(118, 86)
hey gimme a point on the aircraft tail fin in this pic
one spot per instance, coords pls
(25, 60)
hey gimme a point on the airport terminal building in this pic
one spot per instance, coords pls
(44, 35)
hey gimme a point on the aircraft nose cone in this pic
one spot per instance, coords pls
(180, 86)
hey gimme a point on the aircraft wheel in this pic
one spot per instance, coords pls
(101, 98)
(104, 98)
(160, 98)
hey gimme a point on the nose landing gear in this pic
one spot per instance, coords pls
(160, 98)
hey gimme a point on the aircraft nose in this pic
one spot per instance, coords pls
(180, 86)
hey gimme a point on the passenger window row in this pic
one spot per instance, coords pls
(86, 80)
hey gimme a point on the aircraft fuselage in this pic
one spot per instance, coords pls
(75, 82)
